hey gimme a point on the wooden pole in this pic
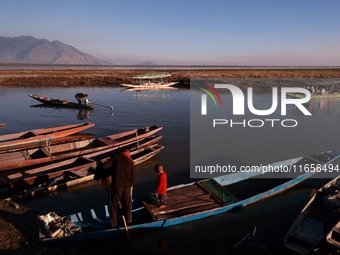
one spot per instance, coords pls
(126, 228)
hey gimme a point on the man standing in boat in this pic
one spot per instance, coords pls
(119, 168)
(80, 97)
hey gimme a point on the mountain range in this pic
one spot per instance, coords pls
(30, 50)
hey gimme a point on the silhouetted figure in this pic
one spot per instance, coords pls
(80, 97)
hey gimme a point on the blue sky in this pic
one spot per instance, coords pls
(247, 32)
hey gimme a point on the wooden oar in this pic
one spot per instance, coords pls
(111, 107)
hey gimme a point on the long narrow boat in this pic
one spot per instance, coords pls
(196, 200)
(150, 85)
(40, 136)
(36, 132)
(60, 140)
(140, 89)
(316, 220)
(60, 103)
(151, 81)
(36, 175)
(47, 154)
(72, 178)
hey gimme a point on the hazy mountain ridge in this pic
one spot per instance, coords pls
(30, 50)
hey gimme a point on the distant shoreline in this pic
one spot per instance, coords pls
(149, 67)
(97, 78)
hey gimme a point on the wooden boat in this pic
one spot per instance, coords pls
(139, 89)
(2, 125)
(316, 220)
(153, 81)
(193, 201)
(36, 132)
(150, 85)
(60, 140)
(72, 178)
(37, 175)
(61, 103)
(333, 237)
(46, 154)
(40, 136)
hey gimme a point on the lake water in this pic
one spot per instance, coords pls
(131, 110)
(170, 109)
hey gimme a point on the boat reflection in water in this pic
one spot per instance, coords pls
(151, 93)
(81, 115)
(324, 105)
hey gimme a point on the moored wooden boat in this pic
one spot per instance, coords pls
(37, 137)
(72, 178)
(333, 237)
(316, 220)
(36, 132)
(36, 175)
(153, 81)
(46, 154)
(60, 103)
(60, 140)
(140, 89)
(150, 85)
(193, 201)
(2, 125)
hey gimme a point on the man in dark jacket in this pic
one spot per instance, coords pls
(80, 97)
(120, 168)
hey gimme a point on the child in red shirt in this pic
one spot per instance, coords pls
(162, 184)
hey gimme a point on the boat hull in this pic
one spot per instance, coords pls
(139, 155)
(150, 85)
(313, 223)
(47, 154)
(333, 236)
(33, 138)
(183, 205)
(37, 175)
(60, 103)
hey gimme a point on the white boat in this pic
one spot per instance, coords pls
(151, 80)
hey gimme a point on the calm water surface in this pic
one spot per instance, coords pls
(170, 109)
(167, 108)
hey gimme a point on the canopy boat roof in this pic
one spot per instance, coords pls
(152, 75)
